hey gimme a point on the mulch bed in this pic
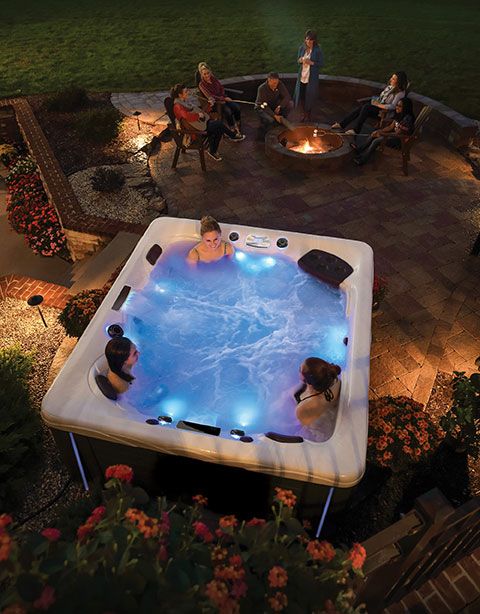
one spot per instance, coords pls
(75, 153)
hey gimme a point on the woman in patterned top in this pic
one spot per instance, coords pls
(214, 92)
(386, 100)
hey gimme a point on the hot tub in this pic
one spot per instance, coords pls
(220, 402)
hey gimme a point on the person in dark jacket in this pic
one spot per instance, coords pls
(273, 101)
(310, 60)
(402, 125)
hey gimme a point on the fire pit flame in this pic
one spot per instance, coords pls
(307, 147)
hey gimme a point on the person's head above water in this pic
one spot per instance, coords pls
(210, 232)
(319, 373)
(121, 353)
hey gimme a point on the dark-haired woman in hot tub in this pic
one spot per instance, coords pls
(122, 356)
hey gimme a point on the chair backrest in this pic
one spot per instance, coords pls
(421, 119)
(197, 78)
(168, 102)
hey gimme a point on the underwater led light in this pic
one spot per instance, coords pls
(269, 261)
(240, 256)
(165, 419)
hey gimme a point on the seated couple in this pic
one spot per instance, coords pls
(386, 101)
(191, 117)
(273, 103)
(402, 125)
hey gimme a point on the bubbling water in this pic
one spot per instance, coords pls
(221, 343)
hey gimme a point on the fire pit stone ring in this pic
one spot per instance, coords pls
(334, 149)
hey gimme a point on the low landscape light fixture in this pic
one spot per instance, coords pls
(137, 114)
(35, 301)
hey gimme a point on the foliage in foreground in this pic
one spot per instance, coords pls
(462, 421)
(174, 560)
(19, 424)
(71, 98)
(400, 433)
(80, 309)
(100, 126)
(107, 180)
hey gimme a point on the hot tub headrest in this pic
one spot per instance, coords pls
(327, 267)
(106, 387)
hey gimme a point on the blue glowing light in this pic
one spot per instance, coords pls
(268, 262)
(240, 256)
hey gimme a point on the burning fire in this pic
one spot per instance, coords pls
(306, 147)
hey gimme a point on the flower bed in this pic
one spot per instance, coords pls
(400, 433)
(131, 555)
(29, 211)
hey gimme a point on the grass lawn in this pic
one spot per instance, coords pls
(121, 45)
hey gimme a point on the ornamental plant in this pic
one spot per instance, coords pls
(380, 289)
(100, 126)
(79, 310)
(107, 180)
(29, 211)
(132, 555)
(19, 424)
(400, 433)
(462, 420)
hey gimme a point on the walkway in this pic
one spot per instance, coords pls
(421, 228)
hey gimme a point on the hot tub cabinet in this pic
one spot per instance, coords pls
(93, 431)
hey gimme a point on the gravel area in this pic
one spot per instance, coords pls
(128, 204)
(21, 326)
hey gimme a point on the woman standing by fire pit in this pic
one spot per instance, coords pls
(310, 60)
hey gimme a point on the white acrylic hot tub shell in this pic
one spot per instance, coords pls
(74, 403)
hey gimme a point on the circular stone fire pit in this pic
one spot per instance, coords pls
(307, 147)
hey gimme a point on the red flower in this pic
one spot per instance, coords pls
(15, 608)
(124, 473)
(256, 522)
(321, 551)
(5, 520)
(357, 555)
(277, 577)
(285, 496)
(46, 599)
(200, 500)
(5, 545)
(278, 602)
(201, 530)
(226, 522)
(51, 534)
(84, 531)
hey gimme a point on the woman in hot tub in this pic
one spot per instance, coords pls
(121, 355)
(320, 392)
(211, 248)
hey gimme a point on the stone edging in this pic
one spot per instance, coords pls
(21, 287)
(55, 181)
(454, 127)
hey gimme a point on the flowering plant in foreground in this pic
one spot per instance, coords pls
(131, 554)
(400, 433)
(29, 211)
(79, 310)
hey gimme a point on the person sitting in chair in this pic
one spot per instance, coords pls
(386, 100)
(191, 117)
(320, 390)
(401, 125)
(121, 355)
(214, 93)
(273, 101)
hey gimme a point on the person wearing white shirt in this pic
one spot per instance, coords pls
(310, 60)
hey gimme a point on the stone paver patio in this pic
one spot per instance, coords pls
(420, 227)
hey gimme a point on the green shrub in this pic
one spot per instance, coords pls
(19, 424)
(107, 180)
(99, 126)
(176, 559)
(71, 98)
(79, 310)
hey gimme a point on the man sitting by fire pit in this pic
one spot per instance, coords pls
(273, 102)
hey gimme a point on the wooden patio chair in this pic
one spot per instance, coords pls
(407, 142)
(179, 135)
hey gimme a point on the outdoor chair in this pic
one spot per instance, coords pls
(384, 116)
(407, 142)
(179, 135)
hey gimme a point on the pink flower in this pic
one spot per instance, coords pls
(124, 473)
(97, 514)
(51, 534)
(46, 599)
(256, 522)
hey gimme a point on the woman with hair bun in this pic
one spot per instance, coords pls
(121, 355)
(320, 391)
(211, 247)
(214, 93)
